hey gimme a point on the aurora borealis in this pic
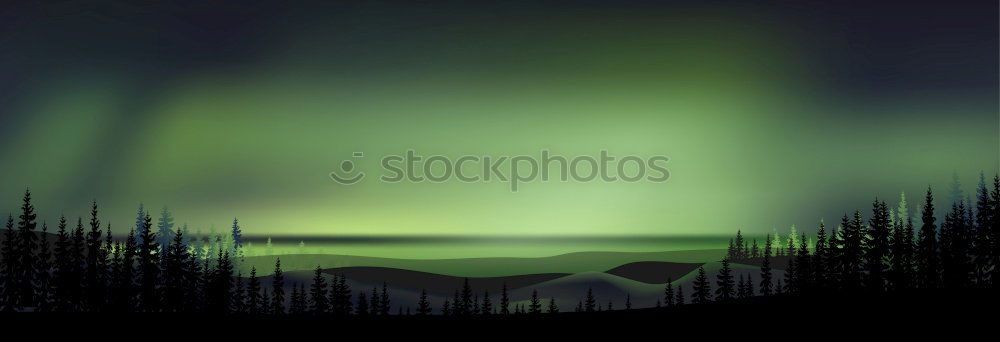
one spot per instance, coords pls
(772, 113)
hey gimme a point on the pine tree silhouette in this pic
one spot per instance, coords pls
(446, 308)
(791, 269)
(149, 270)
(680, 296)
(553, 308)
(76, 266)
(981, 241)
(536, 306)
(42, 276)
(239, 299)
(277, 289)
(766, 288)
(8, 282)
(174, 273)
(628, 301)
(726, 286)
(853, 252)
(25, 247)
(819, 259)
(362, 307)
(253, 295)
(877, 247)
(374, 306)
(221, 297)
(927, 262)
(94, 281)
(423, 305)
(504, 300)
(668, 293)
(803, 264)
(317, 294)
(384, 301)
(487, 308)
(702, 290)
(589, 303)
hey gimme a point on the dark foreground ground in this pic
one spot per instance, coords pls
(953, 313)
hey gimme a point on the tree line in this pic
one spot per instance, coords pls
(85, 270)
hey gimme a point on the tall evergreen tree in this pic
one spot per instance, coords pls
(221, 298)
(981, 242)
(277, 289)
(487, 308)
(702, 289)
(254, 301)
(149, 269)
(589, 303)
(668, 293)
(956, 267)
(8, 282)
(362, 307)
(927, 262)
(900, 244)
(877, 247)
(504, 300)
(766, 287)
(680, 296)
(43, 269)
(820, 258)
(76, 266)
(175, 273)
(383, 301)
(239, 299)
(26, 246)
(317, 293)
(94, 282)
(164, 230)
(726, 285)
(853, 252)
(536, 306)
(423, 305)
(553, 308)
(803, 265)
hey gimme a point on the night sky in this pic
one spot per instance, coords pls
(773, 112)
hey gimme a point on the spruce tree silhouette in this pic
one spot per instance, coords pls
(374, 307)
(553, 308)
(8, 283)
(446, 308)
(628, 301)
(42, 277)
(487, 308)
(253, 296)
(981, 242)
(589, 303)
(702, 290)
(238, 304)
(423, 305)
(535, 307)
(465, 308)
(725, 285)
(803, 262)
(994, 257)
(766, 287)
(819, 259)
(383, 301)
(174, 273)
(26, 245)
(317, 294)
(504, 300)
(668, 293)
(853, 252)
(680, 296)
(149, 270)
(877, 247)
(220, 299)
(927, 262)
(791, 269)
(296, 306)
(362, 307)
(76, 267)
(277, 289)
(265, 309)
(94, 282)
